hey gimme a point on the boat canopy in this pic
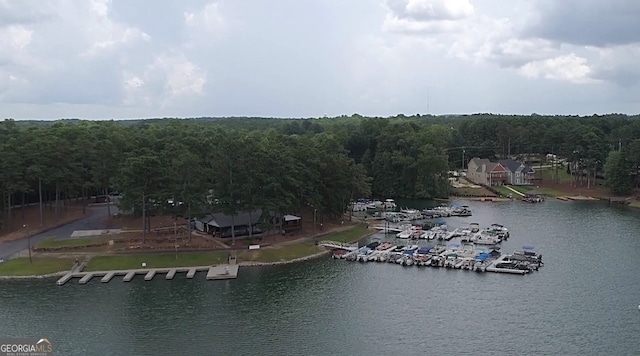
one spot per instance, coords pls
(409, 252)
(528, 247)
(424, 249)
(483, 256)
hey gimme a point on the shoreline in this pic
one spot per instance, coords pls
(314, 256)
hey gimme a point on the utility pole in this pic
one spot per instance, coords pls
(28, 244)
(315, 238)
(463, 152)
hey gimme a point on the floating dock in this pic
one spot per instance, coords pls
(149, 275)
(219, 272)
(86, 278)
(107, 277)
(192, 273)
(223, 272)
(129, 276)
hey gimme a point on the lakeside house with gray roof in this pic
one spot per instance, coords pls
(505, 171)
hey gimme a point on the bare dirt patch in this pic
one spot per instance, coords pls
(569, 189)
(29, 217)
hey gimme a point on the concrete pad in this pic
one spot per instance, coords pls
(223, 272)
(89, 233)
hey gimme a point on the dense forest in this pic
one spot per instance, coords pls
(188, 167)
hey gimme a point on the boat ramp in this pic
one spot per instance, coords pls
(219, 272)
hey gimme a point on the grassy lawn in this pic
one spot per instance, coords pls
(156, 260)
(552, 192)
(548, 174)
(40, 266)
(350, 235)
(302, 249)
(503, 190)
(280, 253)
(51, 243)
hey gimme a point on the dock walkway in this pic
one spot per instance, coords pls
(219, 272)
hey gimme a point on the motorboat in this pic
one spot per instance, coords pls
(484, 238)
(389, 204)
(505, 264)
(408, 232)
(474, 227)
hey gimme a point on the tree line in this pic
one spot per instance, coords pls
(190, 167)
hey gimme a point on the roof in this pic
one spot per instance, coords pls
(479, 162)
(510, 164)
(221, 220)
(291, 218)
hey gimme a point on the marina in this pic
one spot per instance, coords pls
(468, 257)
(389, 211)
(477, 251)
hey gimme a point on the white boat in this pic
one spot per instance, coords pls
(474, 227)
(389, 204)
(375, 205)
(504, 264)
(410, 214)
(408, 232)
(389, 228)
(483, 238)
(499, 230)
(358, 207)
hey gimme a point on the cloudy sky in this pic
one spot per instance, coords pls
(104, 59)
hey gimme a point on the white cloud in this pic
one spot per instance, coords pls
(182, 77)
(568, 67)
(14, 37)
(164, 81)
(426, 16)
(104, 34)
(209, 19)
(439, 9)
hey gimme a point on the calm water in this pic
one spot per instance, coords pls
(583, 302)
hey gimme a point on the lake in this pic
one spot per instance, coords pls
(584, 301)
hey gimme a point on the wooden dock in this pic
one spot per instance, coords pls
(226, 271)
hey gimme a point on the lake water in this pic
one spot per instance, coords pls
(584, 301)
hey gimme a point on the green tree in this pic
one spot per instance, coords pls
(617, 174)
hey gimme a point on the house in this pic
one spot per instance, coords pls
(291, 223)
(505, 171)
(518, 173)
(219, 224)
(288, 222)
(483, 171)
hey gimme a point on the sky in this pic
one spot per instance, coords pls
(100, 59)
